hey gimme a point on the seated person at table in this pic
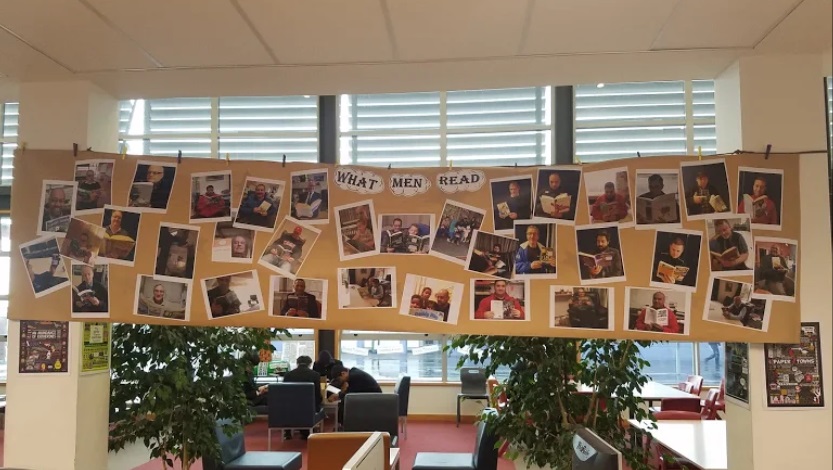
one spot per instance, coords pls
(303, 373)
(658, 302)
(740, 311)
(353, 380)
(325, 363)
(255, 395)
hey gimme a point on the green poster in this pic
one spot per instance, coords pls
(95, 352)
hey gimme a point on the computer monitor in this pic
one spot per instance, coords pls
(370, 456)
(591, 452)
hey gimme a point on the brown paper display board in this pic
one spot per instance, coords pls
(597, 250)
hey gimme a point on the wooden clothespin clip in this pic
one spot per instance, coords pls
(179, 157)
(74, 149)
(699, 152)
(228, 159)
(23, 147)
(450, 163)
(283, 161)
(768, 150)
(124, 150)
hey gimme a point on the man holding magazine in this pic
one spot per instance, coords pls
(657, 318)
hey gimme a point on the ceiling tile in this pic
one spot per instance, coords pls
(568, 26)
(440, 29)
(807, 29)
(721, 23)
(187, 33)
(71, 34)
(21, 62)
(323, 31)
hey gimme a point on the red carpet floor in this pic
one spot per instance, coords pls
(422, 437)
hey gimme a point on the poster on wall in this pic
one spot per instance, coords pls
(95, 349)
(44, 347)
(737, 373)
(794, 372)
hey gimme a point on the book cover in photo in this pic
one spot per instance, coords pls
(660, 209)
(601, 260)
(672, 272)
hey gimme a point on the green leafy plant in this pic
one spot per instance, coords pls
(544, 404)
(169, 385)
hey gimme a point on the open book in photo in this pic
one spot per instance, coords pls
(658, 316)
(776, 263)
(501, 309)
(228, 301)
(61, 224)
(717, 203)
(297, 302)
(754, 206)
(395, 238)
(672, 272)
(307, 210)
(601, 260)
(416, 243)
(660, 209)
(558, 204)
(140, 194)
(503, 209)
(83, 293)
(729, 254)
(265, 205)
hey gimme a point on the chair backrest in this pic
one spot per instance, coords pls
(472, 381)
(329, 450)
(709, 410)
(291, 405)
(403, 390)
(697, 384)
(686, 387)
(485, 448)
(676, 414)
(372, 412)
(231, 447)
(722, 395)
(681, 404)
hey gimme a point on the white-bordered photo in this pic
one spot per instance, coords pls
(310, 196)
(458, 222)
(356, 228)
(57, 206)
(232, 244)
(405, 234)
(260, 202)
(302, 297)
(664, 311)
(609, 196)
(676, 259)
(121, 235)
(176, 251)
(730, 302)
(657, 199)
(90, 293)
(367, 287)
(289, 247)
(599, 253)
(500, 299)
(512, 199)
(44, 265)
(776, 268)
(586, 308)
(162, 298)
(706, 189)
(557, 194)
(536, 255)
(94, 180)
(431, 299)
(492, 254)
(82, 241)
(232, 294)
(211, 197)
(761, 196)
(730, 246)
(153, 183)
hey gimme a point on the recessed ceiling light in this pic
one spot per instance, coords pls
(600, 85)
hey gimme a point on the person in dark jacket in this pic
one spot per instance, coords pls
(256, 396)
(325, 363)
(304, 374)
(353, 380)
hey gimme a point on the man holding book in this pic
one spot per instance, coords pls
(740, 311)
(393, 238)
(286, 250)
(610, 206)
(773, 272)
(222, 300)
(499, 305)
(704, 198)
(758, 205)
(57, 211)
(554, 202)
(728, 248)
(532, 257)
(258, 208)
(657, 317)
(211, 204)
(89, 296)
(605, 262)
(301, 303)
(514, 208)
(656, 206)
(308, 204)
(89, 191)
(671, 266)
(442, 305)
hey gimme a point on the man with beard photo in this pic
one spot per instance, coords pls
(286, 250)
(56, 210)
(301, 303)
(258, 209)
(89, 295)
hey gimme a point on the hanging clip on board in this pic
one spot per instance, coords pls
(74, 149)
(389, 166)
(179, 157)
(638, 155)
(283, 161)
(124, 151)
(228, 159)
(768, 149)
(699, 152)
(23, 147)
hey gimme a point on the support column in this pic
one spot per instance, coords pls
(779, 100)
(60, 422)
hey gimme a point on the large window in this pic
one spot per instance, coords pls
(5, 272)
(252, 128)
(829, 81)
(466, 128)
(301, 343)
(8, 140)
(619, 120)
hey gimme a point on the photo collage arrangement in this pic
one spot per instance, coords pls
(746, 273)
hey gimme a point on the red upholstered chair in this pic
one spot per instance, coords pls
(677, 415)
(709, 410)
(696, 382)
(720, 404)
(679, 404)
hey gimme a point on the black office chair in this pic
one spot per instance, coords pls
(472, 387)
(292, 406)
(403, 390)
(484, 457)
(233, 455)
(370, 412)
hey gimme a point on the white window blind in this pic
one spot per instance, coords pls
(617, 120)
(830, 115)
(262, 128)
(468, 128)
(8, 140)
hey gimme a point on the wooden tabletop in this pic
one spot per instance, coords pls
(701, 442)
